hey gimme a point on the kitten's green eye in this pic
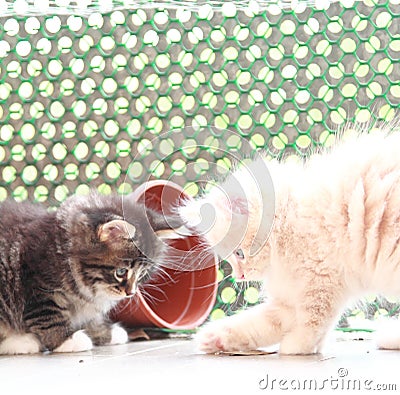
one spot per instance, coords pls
(239, 253)
(121, 273)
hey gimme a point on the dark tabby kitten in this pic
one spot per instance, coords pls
(61, 272)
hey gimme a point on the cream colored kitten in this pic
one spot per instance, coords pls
(334, 237)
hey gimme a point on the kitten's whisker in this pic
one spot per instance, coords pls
(199, 287)
(121, 307)
(153, 287)
(162, 271)
(194, 259)
(150, 298)
(163, 278)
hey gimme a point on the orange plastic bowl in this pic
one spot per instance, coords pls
(179, 299)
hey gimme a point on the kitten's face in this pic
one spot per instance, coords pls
(230, 231)
(124, 267)
(113, 255)
(245, 265)
(108, 260)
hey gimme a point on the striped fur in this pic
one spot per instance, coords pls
(56, 275)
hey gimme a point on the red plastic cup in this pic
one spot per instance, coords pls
(183, 297)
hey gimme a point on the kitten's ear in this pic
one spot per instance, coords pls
(167, 226)
(116, 229)
(239, 206)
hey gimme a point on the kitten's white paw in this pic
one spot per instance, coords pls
(387, 335)
(118, 335)
(220, 336)
(20, 344)
(79, 341)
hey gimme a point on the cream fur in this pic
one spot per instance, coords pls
(335, 237)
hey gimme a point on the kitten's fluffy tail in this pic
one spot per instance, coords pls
(387, 336)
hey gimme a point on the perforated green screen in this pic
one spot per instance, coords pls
(111, 94)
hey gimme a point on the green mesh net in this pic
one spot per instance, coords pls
(109, 94)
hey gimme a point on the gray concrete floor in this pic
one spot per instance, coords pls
(173, 366)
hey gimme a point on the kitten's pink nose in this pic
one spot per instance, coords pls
(130, 290)
(237, 271)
